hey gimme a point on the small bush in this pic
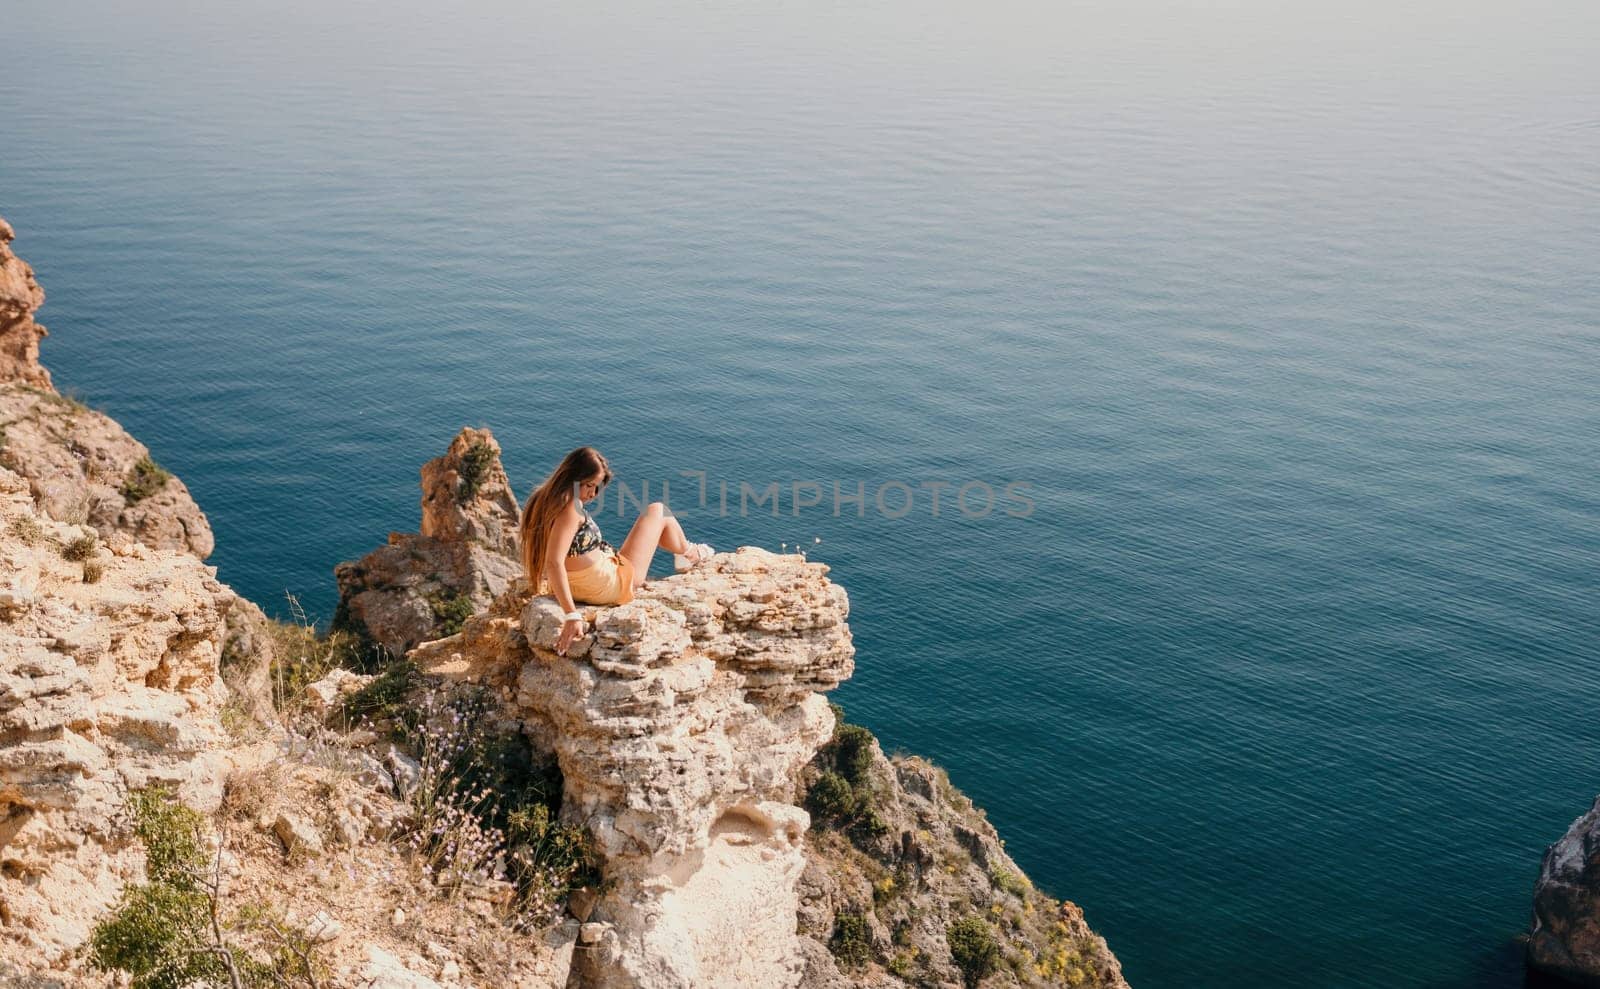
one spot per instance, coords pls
(1009, 882)
(832, 798)
(385, 699)
(27, 529)
(79, 549)
(450, 613)
(246, 792)
(843, 795)
(850, 942)
(852, 745)
(903, 965)
(171, 932)
(486, 809)
(474, 468)
(93, 570)
(973, 948)
(144, 479)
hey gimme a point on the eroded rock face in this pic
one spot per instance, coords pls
(921, 860)
(81, 466)
(681, 723)
(1565, 939)
(20, 298)
(109, 683)
(466, 555)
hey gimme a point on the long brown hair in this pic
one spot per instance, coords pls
(547, 501)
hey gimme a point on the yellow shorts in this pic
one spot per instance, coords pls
(608, 581)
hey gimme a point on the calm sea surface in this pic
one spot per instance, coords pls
(1286, 316)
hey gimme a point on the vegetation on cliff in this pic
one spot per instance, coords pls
(909, 884)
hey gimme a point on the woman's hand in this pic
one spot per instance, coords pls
(570, 629)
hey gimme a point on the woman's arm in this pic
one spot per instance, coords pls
(555, 570)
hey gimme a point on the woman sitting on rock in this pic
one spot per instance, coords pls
(590, 570)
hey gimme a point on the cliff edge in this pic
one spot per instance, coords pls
(671, 805)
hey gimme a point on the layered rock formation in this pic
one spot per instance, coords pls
(423, 585)
(20, 298)
(111, 633)
(109, 683)
(689, 725)
(1565, 938)
(80, 465)
(681, 722)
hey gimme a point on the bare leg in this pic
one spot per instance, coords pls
(654, 529)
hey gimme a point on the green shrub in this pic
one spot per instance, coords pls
(843, 795)
(474, 468)
(903, 966)
(850, 942)
(852, 752)
(832, 798)
(1009, 882)
(171, 931)
(144, 479)
(450, 613)
(385, 699)
(973, 948)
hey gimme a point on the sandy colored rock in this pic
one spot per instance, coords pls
(20, 298)
(419, 585)
(105, 687)
(81, 466)
(680, 724)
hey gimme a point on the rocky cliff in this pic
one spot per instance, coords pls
(110, 682)
(695, 744)
(111, 634)
(714, 823)
(20, 298)
(680, 724)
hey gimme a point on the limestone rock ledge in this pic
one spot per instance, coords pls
(681, 722)
(109, 682)
(1565, 938)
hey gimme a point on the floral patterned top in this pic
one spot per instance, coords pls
(588, 537)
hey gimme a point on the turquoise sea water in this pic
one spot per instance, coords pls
(1286, 315)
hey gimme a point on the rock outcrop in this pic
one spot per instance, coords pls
(111, 634)
(20, 298)
(681, 722)
(1565, 938)
(109, 683)
(423, 585)
(81, 466)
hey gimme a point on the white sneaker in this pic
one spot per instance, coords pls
(698, 554)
